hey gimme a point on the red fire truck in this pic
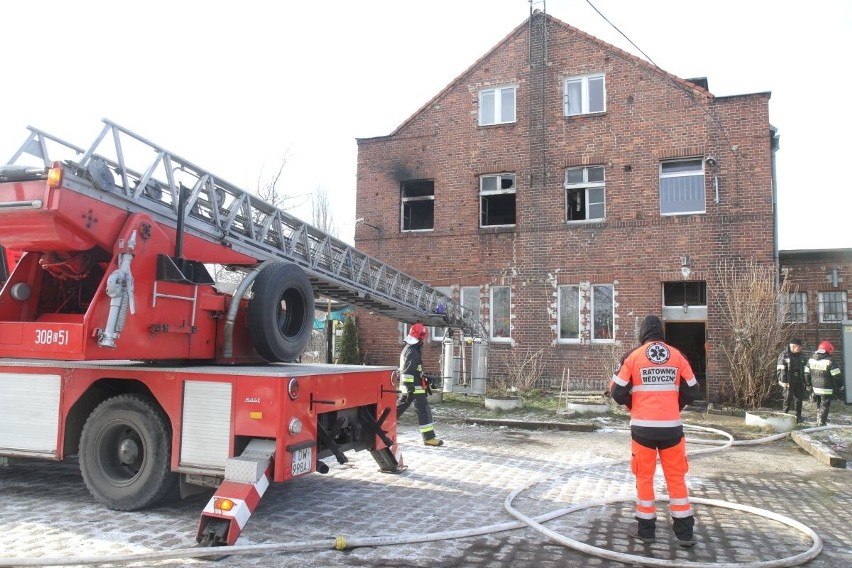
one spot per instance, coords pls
(117, 346)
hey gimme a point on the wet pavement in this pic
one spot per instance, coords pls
(45, 510)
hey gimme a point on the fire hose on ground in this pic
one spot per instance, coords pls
(536, 523)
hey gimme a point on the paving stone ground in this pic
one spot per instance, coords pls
(45, 510)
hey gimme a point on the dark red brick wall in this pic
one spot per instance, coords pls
(649, 117)
(811, 272)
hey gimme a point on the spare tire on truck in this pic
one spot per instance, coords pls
(281, 312)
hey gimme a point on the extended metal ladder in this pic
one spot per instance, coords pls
(223, 213)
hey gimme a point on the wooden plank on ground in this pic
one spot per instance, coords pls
(818, 449)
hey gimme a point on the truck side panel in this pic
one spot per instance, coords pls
(206, 425)
(211, 409)
(29, 414)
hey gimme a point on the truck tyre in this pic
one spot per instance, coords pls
(125, 453)
(281, 312)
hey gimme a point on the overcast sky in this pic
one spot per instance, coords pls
(236, 87)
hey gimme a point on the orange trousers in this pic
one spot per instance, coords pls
(644, 466)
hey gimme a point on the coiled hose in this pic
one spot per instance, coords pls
(342, 543)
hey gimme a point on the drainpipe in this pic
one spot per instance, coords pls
(775, 144)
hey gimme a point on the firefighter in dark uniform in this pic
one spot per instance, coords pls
(791, 377)
(824, 377)
(655, 382)
(414, 385)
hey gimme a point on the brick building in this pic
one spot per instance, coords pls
(818, 301)
(565, 189)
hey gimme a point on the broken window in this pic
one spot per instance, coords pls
(497, 200)
(418, 205)
(496, 106)
(585, 95)
(584, 193)
(682, 187)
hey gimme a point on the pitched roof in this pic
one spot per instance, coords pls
(689, 86)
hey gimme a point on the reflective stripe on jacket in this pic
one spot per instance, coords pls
(411, 363)
(653, 373)
(791, 368)
(822, 374)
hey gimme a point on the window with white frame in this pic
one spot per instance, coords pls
(682, 187)
(603, 312)
(470, 300)
(437, 333)
(501, 312)
(832, 307)
(584, 193)
(496, 106)
(569, 313)
(496, 200)
(418, 205)
(796, 307)
(585, 94)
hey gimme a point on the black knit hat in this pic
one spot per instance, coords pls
(651, 328)
(796, 341)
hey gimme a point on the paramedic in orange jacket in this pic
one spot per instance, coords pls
(655, 382)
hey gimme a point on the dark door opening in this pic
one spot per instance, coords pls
(690, 339)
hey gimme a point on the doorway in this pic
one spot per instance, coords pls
(690, 339)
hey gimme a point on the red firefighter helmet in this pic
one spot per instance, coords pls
(826, 347)
(418, 332)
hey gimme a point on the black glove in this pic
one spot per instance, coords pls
(684, 400)
(427, 383)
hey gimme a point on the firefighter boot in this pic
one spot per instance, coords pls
(643, 531)
(683, 531)
(433, 442)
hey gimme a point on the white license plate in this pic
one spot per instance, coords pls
(302, 461)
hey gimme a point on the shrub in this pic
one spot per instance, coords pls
(348, 353)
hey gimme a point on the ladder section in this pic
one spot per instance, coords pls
(223, 213)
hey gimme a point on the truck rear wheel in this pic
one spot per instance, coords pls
(281, 312)
(125, 454)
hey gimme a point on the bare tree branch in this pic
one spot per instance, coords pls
(321, 213)
(749, 306)
(524, 370)
(267, 188)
